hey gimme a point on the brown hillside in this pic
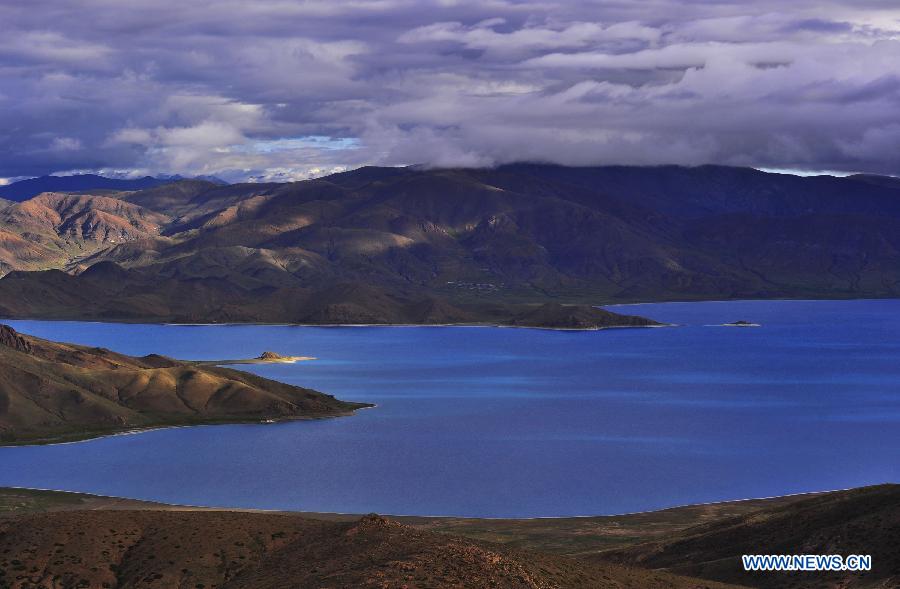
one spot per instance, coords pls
(56, 391)
(860, 521)
(124, 549)
(53, 230)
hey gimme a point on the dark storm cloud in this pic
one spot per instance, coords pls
(286, 88)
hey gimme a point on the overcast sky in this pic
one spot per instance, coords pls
(282, 89)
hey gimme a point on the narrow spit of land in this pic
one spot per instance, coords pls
(54, 392)
(264, 358)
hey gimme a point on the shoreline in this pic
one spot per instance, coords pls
(742, 300)
(163, 506)
(327, 326)
(279, 360)
(600, 305)
(64, 440)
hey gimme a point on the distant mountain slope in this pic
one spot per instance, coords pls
(106, 291)
(25, 189)
(54, 229)
(556, 316)
(197, 549)
(513, 234)
(50, 390)
(859, 521)
(169, 196)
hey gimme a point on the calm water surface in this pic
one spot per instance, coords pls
(515, 422)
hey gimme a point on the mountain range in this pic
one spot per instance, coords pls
(414, 245)
(25, 189)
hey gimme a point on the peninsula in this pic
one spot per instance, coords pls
(264, 358)
(52, 392)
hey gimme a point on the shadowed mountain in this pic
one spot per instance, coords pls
(476, 238)
(167, 198)
(860, 521)
(123, 549)
(25, 189)
(106, 291)
(50, 390)
(186, 200)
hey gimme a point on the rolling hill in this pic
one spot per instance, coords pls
(859, 521)
(475, 243)
(54, 230)
(121, 549)
(131, 541)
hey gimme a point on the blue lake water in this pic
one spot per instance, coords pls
(517, 422)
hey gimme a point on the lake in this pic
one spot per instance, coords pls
(500, 422)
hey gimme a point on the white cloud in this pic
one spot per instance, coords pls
(529, 38)
(65, 144)
(242, 89)
(52, 47)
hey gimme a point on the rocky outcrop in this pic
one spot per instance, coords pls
(10, 338)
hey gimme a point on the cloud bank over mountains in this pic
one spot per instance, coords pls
(279, 89)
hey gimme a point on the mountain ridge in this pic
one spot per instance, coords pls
(481, 238)
(31, 187)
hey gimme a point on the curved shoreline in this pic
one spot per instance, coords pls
(153, 504)
(742, 300)
(64, 440)
(600, 305)
(329, 326)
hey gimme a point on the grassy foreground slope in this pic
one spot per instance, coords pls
(125, 543)
(859, 521)
(203, 549)
(200, 549)
(51, 391)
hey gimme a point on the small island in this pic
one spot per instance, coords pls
(275, 358)
(741, 323)
(575, 317)
(264, 358)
